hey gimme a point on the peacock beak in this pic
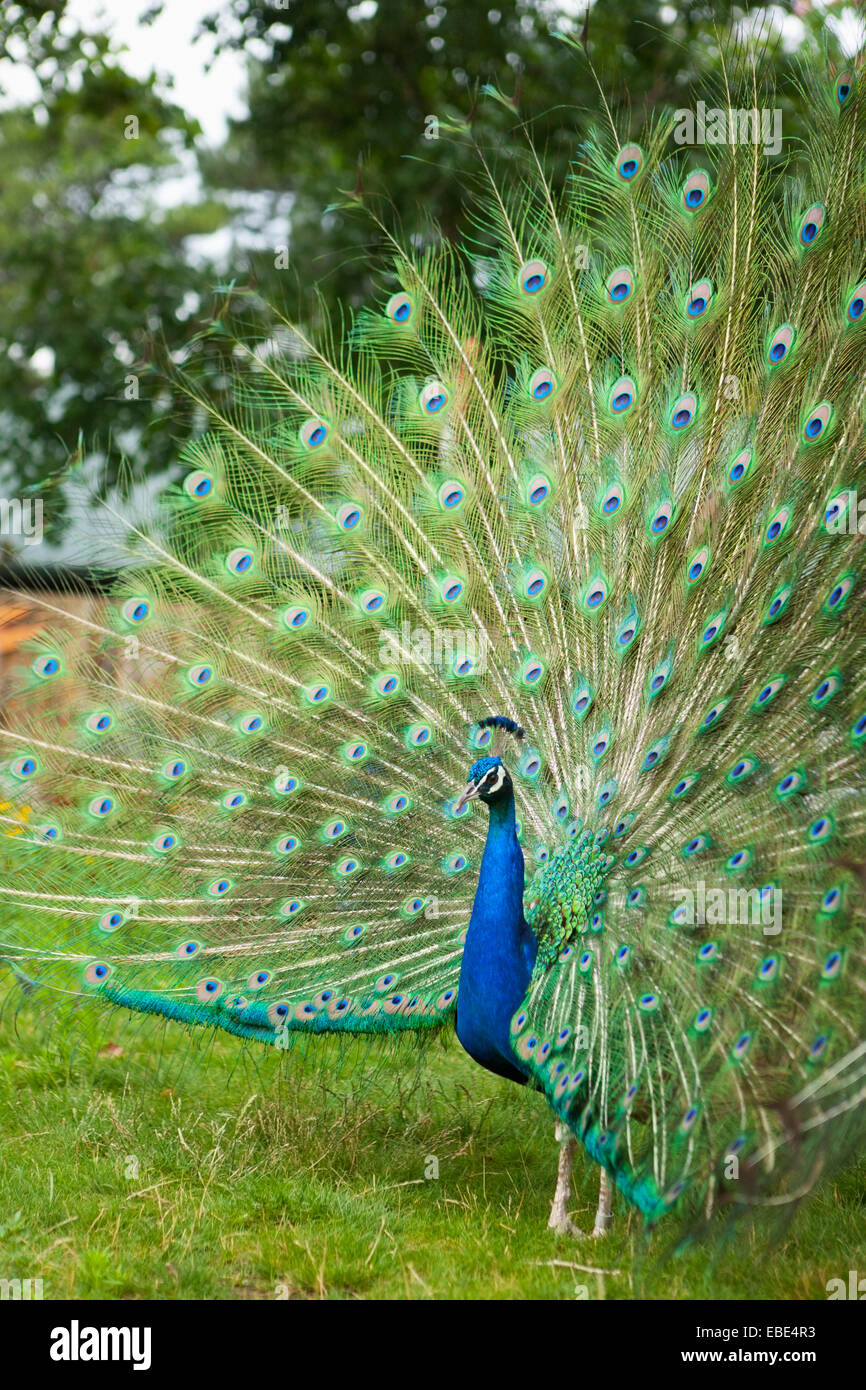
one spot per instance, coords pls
(467, 794)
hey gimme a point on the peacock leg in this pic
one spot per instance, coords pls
(559, 1220)
(604, 1213)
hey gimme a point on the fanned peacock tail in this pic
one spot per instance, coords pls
(597, 473)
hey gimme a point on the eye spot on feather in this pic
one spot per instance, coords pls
(542, 384)
(173, 770)
(695, 191)
(811, 225)
(832, 967)
(838, 595)
(581, 701)
(629, 163)
(856, 304)
(620, 285)
(434, 398)
(831, 901)
(698, 299)
(101, 806)
(532, 671)
(239, 561)
(135, 610)
(538, 489)
(46, 666)
(98, 723)
(826, 689)
(97, 972)
(400, 308)
(780, 345)
(820, 830)
(209, 990)
(684, 411)
(660, 519)
(778, 525)
(318, 693)
(534, 584)
(198, 484)
(199, 675)
(296, 617)
(612, 500)
(110, 921)
(792, 782)
(450, 495)
(622, 396)
(739, 467)
(349, 516)
(817, 422)
(844, 87)
(313, 433)
(533, 277)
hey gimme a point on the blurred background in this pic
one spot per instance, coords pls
(156, 155)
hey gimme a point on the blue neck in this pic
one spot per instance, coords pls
(500, 950)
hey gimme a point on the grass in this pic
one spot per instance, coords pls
(146, 1162)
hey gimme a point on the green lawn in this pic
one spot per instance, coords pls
(145, 1162)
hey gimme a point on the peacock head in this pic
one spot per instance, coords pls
(488, 779)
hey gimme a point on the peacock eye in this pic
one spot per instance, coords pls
(696, 190)
(542, 384)
(434, 398)
(349, 516)
(817, 422)
(622, 395)
(239, 561)
(811, 225)
(619, 285)
(46, 666)
(629, 163)
(198, 484)
(313, 433)
(533, 277)
(135, 610)
(400, 308)
(199, 675)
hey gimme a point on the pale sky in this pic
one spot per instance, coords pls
(165, 47)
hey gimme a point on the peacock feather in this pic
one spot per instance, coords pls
(566, 525)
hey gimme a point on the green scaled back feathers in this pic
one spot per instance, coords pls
(600, 474)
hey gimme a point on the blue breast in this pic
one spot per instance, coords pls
(499, 953)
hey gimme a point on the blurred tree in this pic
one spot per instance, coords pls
(93, 266)
(341, 92)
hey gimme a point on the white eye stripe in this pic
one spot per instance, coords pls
(500, 778)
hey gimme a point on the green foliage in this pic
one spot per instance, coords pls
(95, 268)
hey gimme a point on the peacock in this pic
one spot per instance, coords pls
(495, 665)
